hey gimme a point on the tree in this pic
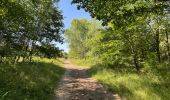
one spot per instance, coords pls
(76, 35)
(80, 35)
(120, 11)
(139, 25)
(27, 24)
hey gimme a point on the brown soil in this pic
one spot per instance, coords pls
(77, 85)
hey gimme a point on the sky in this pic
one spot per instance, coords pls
(70, 12)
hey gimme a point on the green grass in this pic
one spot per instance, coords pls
(81, 62)
(154, 85)
(30, 81)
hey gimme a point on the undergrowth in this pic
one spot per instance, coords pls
(151, 85)
(30, 81)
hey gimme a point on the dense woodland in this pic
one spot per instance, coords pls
(127, 43)
(134, 31)
(129, 47)
(29, 28)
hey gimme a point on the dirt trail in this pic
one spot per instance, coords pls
(77, 85)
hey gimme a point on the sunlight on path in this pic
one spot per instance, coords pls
(77, 85)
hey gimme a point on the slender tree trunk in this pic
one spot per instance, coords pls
(14, 61)
(136, 62)
(25, 56)
(0, 59)
(158, 46)
(18, 58)
(143, 52)
(168, 48)
(30, 58)
(31, 51)
(135, 56)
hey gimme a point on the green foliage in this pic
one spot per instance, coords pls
(49, 51)
(27, 24)
(120, 12)
(30, 81)
(133, 49)
(130, 42)
(80, 37)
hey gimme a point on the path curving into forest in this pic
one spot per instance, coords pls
(77, 85)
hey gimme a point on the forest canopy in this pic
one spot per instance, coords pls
(137, 31)
(29, 28)
(127, 45)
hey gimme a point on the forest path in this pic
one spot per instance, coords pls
(77, 85)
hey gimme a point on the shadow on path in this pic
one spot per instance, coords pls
(77, 85)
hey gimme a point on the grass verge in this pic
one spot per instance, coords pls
(148, 86)
(30, 81)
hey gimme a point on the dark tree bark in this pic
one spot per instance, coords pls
(30, 56)
(167, 44)
(136, 62)
(18, 58)
(158, 46)
(135, 55)
(0, 59)
(143, 53)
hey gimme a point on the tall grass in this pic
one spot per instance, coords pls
(153, 85)
(30, 81)
(81, 62)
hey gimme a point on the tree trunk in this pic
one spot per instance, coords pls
(0, 59)
(25, 56)
(143, 54)
(168, 48)
(30, 58)
(17, 59)
(158, 47)
(14, 60)
(135, 55)
(136, 62)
